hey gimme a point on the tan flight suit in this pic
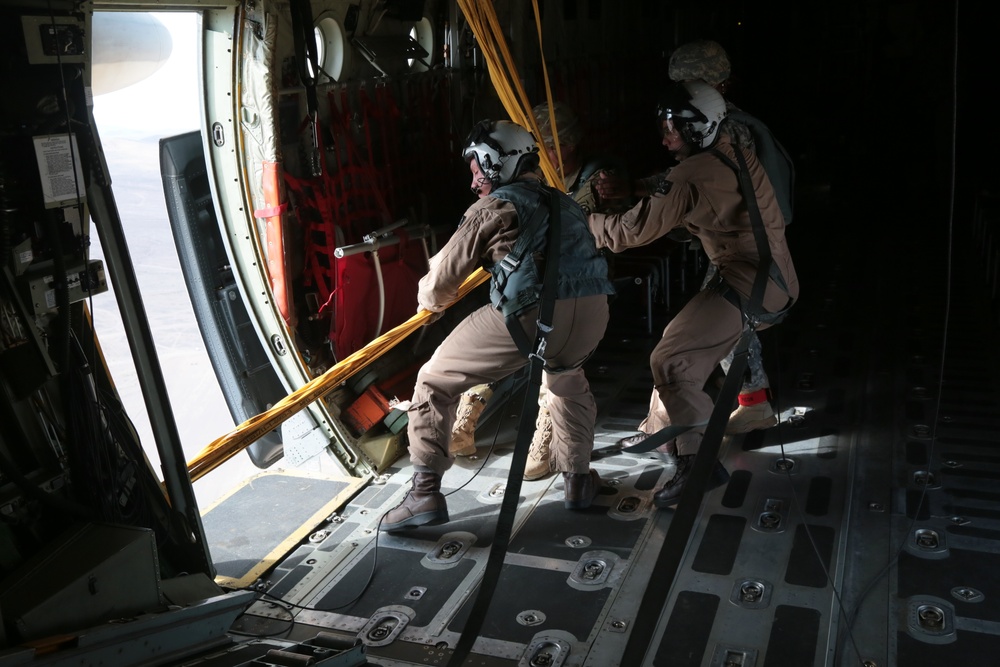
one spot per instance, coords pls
(480, 350)
(704, 198)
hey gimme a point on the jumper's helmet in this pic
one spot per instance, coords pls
(503, 150)
(696, 109)
(567, 123)
(703, 59)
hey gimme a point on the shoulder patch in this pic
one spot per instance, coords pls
(663, 185)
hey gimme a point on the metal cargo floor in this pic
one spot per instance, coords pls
(879, 483)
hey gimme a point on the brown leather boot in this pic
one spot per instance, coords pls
(746, 418)
(424, 505)
(581, 489)
(665, 452)
(670, 493)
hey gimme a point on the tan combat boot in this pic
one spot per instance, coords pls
(753, 413)
(463, 432)
(539, 463)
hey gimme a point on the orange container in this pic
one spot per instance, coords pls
(369, 409)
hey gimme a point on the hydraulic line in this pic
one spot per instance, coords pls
(381, 290)
(422, 233)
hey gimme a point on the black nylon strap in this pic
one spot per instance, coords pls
(550, 283)
(305, 50)
(668, 561)
(517, 253)
(759, 235)
(517, 334)
(754, 309)
(525, 429)
(307, 62)
(675, 542)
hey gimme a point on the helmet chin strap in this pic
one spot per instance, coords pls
(478, 187)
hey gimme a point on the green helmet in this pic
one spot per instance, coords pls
(703, 59)
(567, 123)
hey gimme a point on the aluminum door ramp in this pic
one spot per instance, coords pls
(258, 523)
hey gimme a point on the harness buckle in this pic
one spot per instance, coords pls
(543, 331)
(539, 352)
(508, 264)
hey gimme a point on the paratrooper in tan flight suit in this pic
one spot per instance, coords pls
(503, 160)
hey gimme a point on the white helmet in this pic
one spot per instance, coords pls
(696, 109)
(503, 150)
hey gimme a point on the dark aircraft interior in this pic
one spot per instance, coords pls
(859, 531)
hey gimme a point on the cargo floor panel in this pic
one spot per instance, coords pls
(826, 501)
(260, 522)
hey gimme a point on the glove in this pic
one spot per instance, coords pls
(432, 316)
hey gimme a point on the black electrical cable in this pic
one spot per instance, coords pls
(62, 338)
(7, 207)
(95, 460)
(842, 610)
(116, 456)
(265, 635)
(60, 277)
(32, 491)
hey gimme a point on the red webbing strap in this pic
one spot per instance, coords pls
(319, 197)
(277, 269)
(316, 226)
(359, 206)
(389, 116)
(369, 115)
(422, 159)
(373, 119)
(446, 167)
(431, 110)
(328, 225)
(363, 168)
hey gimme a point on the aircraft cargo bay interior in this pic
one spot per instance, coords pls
(778, 451)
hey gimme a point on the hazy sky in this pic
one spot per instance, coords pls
(131, 122)
(166, 102)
